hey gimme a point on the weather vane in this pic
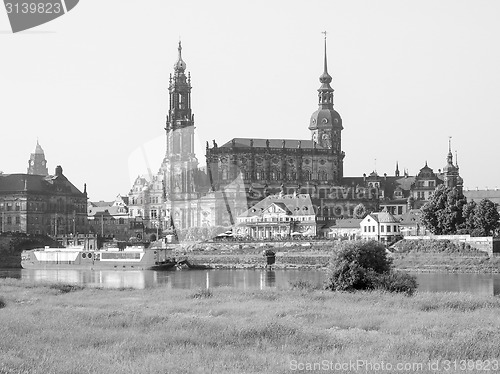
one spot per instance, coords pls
(324, 32)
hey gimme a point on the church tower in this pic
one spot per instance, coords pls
(326, 123)
(451, 172)
(179, 165)
(37, 165)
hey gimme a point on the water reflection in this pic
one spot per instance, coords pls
(483, 284)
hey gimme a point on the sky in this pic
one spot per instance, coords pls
(92, 85)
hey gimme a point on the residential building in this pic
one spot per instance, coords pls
(278, 217)
(110, 219)
(381, 226)
(348, 229)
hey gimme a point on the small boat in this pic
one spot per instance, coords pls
(77, 257)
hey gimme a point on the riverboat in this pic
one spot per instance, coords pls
(78, 257)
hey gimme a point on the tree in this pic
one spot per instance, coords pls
(443, 213)
(360, 211)
(468, 213)
(486, 218)
(448, 212)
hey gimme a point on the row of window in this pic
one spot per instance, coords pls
(276, 175)
(279, 219)
(383, 228)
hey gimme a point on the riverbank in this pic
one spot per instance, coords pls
(56, 329)
(319, 259)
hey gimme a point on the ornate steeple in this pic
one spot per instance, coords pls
(180, 65)
(326, 124)
(180, 164)
(397, 170)
(37, 164)
(325, 91)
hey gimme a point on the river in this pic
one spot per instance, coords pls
(484, 284)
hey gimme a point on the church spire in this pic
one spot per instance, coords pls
(397, 169)
(180, 65)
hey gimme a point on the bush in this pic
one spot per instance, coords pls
(203, 293)
(365, 266)
(303, 285)
(433, 246)
(3, 304)
(395, 281)
(66, 288)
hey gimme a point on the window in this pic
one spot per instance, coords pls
(400, 210)
(365, 228)
(18, 220)
(9, 206)
(373, 228)
(154, 214)
(381, 228)
(388, 228)
(9, 220)
(395, 228)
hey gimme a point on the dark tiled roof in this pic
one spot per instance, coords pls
(10, 183)
(273, 143)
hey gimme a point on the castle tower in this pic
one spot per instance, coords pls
(326, 123)
(37, 165)
(451, 172)
(179, 165)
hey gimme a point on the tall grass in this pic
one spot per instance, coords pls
(164, 330)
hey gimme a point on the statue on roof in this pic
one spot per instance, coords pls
(267, 143)
(215, 144)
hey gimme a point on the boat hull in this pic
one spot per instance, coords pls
(67, 258)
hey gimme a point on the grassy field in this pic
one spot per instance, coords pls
(62, 329)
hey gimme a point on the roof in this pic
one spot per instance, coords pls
(411, 217)
(346, 223)
(383, 217)
(107, 210)
(478, 195)
(12, 183)
(273, 143)
(296, 204)
(101, 203)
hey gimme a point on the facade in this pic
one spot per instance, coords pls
(348, 229)
(279, 217)
(110, 219)
(381, 226)
(37, 204)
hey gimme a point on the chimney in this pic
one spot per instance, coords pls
(59, 170)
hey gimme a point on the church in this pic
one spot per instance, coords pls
(241, 172)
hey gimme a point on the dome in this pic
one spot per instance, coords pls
(325, 118)
(180, 65)
(325, 78)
